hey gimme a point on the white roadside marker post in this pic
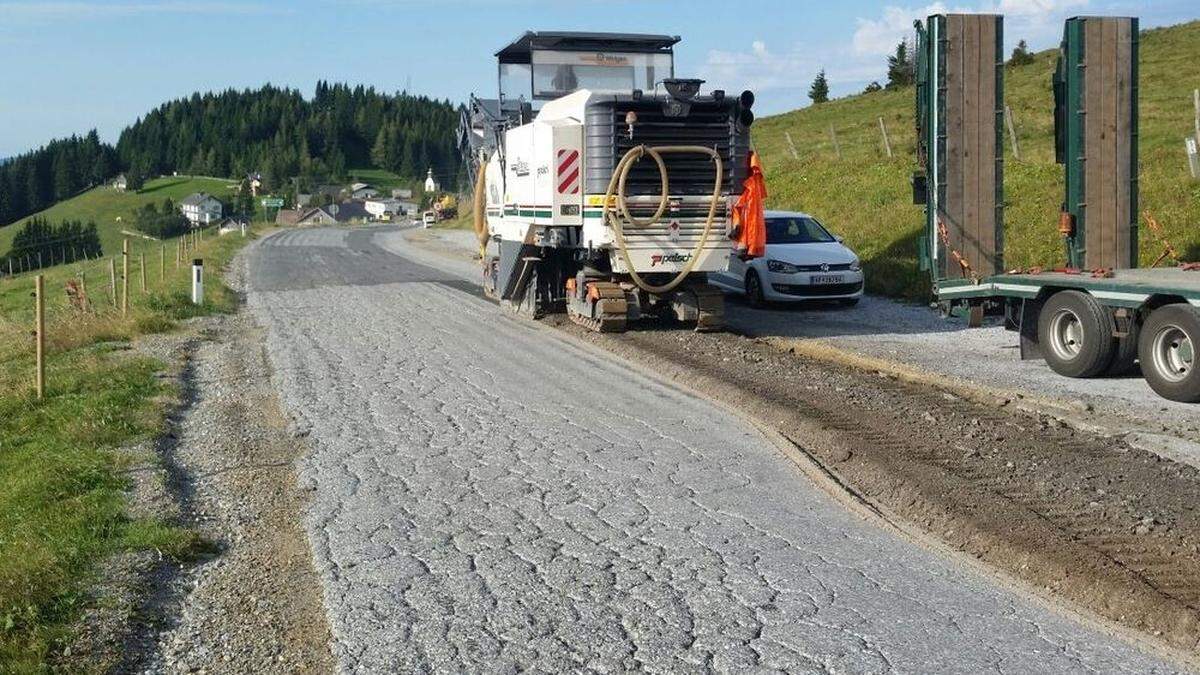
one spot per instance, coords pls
(197, 282)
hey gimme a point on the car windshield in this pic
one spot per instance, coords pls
(796, 230)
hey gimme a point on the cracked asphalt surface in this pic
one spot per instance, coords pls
(489, 496)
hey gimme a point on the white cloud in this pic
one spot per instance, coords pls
(879, 36)
(759, 68)
(1036, 7)
(1038, 19)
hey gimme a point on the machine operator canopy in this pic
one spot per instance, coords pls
(543, 66)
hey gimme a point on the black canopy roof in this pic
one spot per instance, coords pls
(518, 51)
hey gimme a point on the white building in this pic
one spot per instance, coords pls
(120, 183)
(363, 191)
(384, 209)
(201, 208)
(431, 185)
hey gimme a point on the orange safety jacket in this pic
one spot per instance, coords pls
(749, 227)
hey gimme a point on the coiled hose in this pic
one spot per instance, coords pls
(479, 210)
(616, 188)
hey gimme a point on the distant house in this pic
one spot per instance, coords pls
(255, 182)
(120, 183)
(385, 209)
(316, 217)
(350, 212)
(303, 200)
(401, 193)
(201, 209)
(230, 225)
(288, 217)
(362, 191)
(431, 185)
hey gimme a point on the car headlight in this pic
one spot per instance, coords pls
(856, 265)
(781, 267)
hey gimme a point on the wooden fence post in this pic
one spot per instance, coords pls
(86, 304)
(887, 144)
(40, 311)
(162, 265)
(125, 278)
(142, 263)
(1196, 105)
(1012, 132)
(791, 145)
(837, 147)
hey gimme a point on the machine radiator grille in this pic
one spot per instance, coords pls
(709, 124)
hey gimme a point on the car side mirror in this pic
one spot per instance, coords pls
(839, 238)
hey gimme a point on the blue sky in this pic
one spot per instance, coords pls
(66, 67)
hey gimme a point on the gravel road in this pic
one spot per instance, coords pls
(490, 496)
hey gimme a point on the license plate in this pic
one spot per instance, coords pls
(826, 279)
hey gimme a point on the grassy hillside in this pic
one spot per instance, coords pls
(63, 480)
(104, 205)
(866, 197)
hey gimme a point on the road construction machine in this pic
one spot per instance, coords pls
(604, 185)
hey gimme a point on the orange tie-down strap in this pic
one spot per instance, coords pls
(749, 225)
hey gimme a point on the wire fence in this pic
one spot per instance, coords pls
(98, 298)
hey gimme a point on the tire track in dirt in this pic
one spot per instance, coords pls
(1081, 517)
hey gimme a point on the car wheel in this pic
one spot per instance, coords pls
(1076, 334)
(754, 290)
(1167, 349)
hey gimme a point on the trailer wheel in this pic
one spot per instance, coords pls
(1167, 349)
(1076, 334)
(1125, 360)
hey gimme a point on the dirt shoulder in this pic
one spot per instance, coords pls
(254, 605)
(1078, 517)
(225, 468)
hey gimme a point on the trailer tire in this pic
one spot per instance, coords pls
(1076, 334)
(1167, 349)
(1125, 360)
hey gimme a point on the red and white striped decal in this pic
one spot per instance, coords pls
(568, 172)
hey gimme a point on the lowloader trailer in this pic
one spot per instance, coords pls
(1097, 314)
(604, 185)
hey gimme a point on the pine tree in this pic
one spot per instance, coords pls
(874, 86)
(819, 91)
(381, 152)
(1021, 55)
(901, 71)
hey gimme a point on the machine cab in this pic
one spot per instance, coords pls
(544, 66)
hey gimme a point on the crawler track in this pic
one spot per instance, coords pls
(1087, 518)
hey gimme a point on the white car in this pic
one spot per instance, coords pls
(803, 262)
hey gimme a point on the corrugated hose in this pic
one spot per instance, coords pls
(616, 188)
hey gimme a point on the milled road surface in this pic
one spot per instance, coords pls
(489, 496)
